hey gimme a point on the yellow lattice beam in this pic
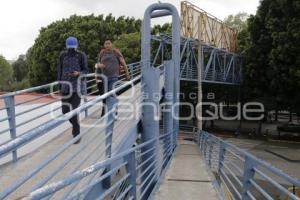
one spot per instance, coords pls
(198, 24)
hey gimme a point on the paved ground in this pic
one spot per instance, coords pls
(187, 177)
(281, 154)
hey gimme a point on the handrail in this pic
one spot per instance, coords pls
(16, 115)
(241, 172)
(32, 134)
(54, 187)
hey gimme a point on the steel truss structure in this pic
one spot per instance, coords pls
(198, 24)
(219, 65)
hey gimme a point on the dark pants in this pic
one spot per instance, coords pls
(68, 104)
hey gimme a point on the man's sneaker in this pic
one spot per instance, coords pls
(77, 141)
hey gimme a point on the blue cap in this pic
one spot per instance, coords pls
(71, 43)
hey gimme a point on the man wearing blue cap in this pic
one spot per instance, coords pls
(71, 65)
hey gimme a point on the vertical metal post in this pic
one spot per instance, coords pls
(86, 111)
(210, 152)
(109, 135)
(248, 174)
(200, 138)
(169, 101)
(151, 76)
(205, 144)
(131, 169)
(199, 108)
(221, 156)
(130, 68)
(202, 141)
(11, 114)
(162, 51)
(199, 71)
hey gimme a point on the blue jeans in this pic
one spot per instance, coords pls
(110, 101)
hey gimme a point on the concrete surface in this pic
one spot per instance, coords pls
(187, 177)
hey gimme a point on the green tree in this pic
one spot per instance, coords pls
(161, 29)
(273, 55)
(6, 73)
(238, 21)
(130, 46)
(90, 30)
(20, 68)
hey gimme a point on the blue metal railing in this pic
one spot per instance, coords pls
(132, 174)
(17, 118)
(240, 175)
(36, 133)
(96, 146)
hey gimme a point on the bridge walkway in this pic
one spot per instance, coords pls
(187, 177)
(12, 172)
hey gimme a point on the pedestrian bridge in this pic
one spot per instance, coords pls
(141, 153)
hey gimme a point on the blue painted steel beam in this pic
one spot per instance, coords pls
(150, 77)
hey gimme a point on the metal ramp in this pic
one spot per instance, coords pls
(187, 176)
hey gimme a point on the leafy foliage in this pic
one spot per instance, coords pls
(130, 46)
(271, 45)
(20, 68)
(238, 21)
(6, 73)
(90, 30)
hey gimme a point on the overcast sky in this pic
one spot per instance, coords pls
(21, 20)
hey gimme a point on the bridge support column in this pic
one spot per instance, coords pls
(110, 120)
(169, 101)
(151, 79)
(199, 71)
(11, 114)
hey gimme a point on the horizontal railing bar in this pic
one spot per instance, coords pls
(235, 155)
(250, 195)
(144, 162)
(5, 131)
(236, 167)
(4, 119)
(78, 165)
(92, 80)
(92, 86)
(3, 108)
(146, 189)
(35, 99)
(230, 183)
(259, 189)
(124, 193)
(149, 175)
(106, 175)
(232, 174)
(91, 178)
(66, 161)
(93, 92)
(275, 184)
(145, 152)
(87, 171)
(30, 174)
(29, 90)
(35, 108)
(146, 170)
(36, 117)
(5, 149)
(115, 185)
(262, 163)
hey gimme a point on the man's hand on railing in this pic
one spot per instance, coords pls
(128, 77)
